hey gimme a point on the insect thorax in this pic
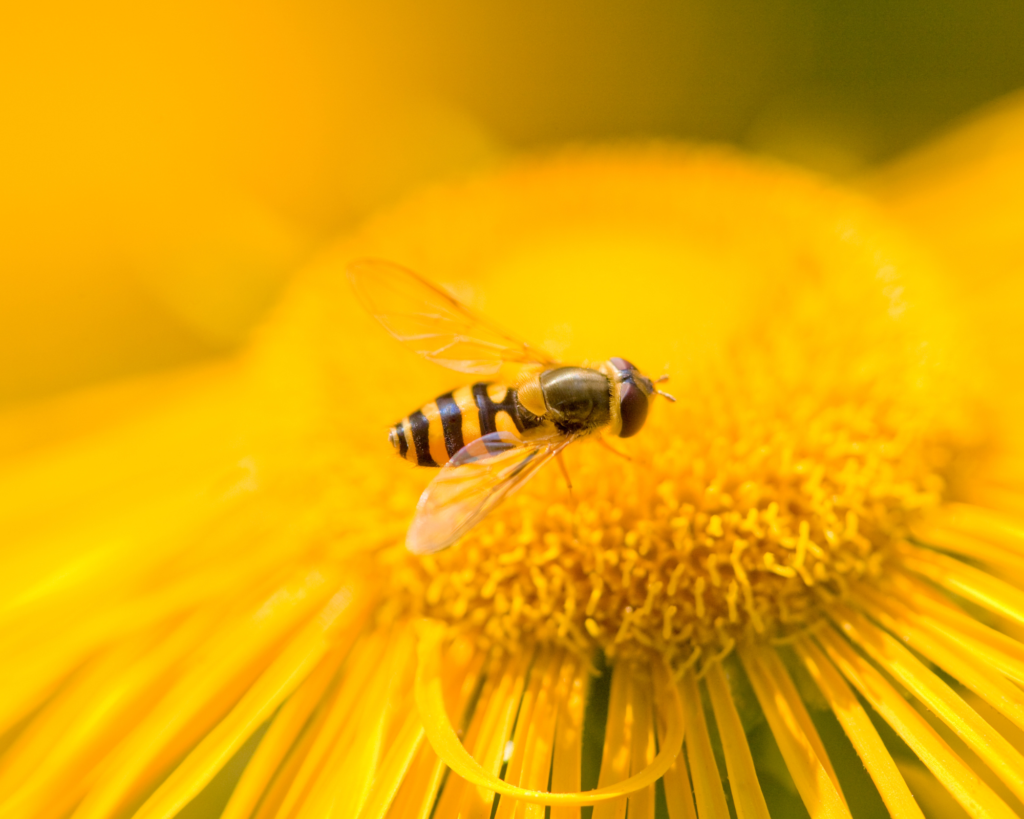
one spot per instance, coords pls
(577, 398)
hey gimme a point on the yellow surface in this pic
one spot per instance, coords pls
(184, 540)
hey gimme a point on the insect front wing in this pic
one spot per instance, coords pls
(436, 325)
(478, 478)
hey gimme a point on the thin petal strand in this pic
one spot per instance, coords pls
(442, 736)
(90, 716)
(494, 727)
(948, 654)
(393, 769)
(281, 678)
(862, 734)
(279, 739)
(617, 740)
(707, 782)
(417, 797)
(969, 546)
(739, 764)
(269, 803)
(225, 668)
(530, 766)
(535, 694)
(641, 802)
(343, 783)
(974, 796)
(566, 766)
(940, 617)
(812, 778)
(678, 790)
(1004, 530)
(972, 584)
(358, 674)
(1005, 760)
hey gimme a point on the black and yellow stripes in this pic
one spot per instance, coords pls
(451, 423)
(419, 426)
(434, 433)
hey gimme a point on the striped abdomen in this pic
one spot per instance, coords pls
(434, 433)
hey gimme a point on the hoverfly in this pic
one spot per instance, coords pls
(487, 438)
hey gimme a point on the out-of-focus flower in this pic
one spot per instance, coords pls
(961, 196)
(806, 562)
(166, 166)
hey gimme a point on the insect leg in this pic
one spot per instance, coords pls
(565, 472)
(610, 448)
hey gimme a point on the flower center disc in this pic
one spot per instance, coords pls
(813, 424)
(713, 532)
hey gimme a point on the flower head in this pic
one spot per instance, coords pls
(226, 579)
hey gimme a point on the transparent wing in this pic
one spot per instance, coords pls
(479, 477)
(435, 324)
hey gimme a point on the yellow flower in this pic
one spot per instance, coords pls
(815, 557)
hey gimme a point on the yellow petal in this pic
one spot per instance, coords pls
(946, 650)
(566, 767)
(973, 584)
(284, 675)
(707, 782)
(285, 728)
(981, 737)
(222, 670)
(862, 734)
(801, 748)
(972, 793)
(743, 783)
(443, 738)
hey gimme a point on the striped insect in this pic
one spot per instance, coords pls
(488, 439)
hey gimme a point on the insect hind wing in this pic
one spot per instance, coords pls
(433, 323)
(478, 478)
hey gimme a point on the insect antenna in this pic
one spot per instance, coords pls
(662, 379)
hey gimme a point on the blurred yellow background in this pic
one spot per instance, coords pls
(165, 165)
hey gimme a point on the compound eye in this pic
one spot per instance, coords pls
(621, 364)
(633, 407)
